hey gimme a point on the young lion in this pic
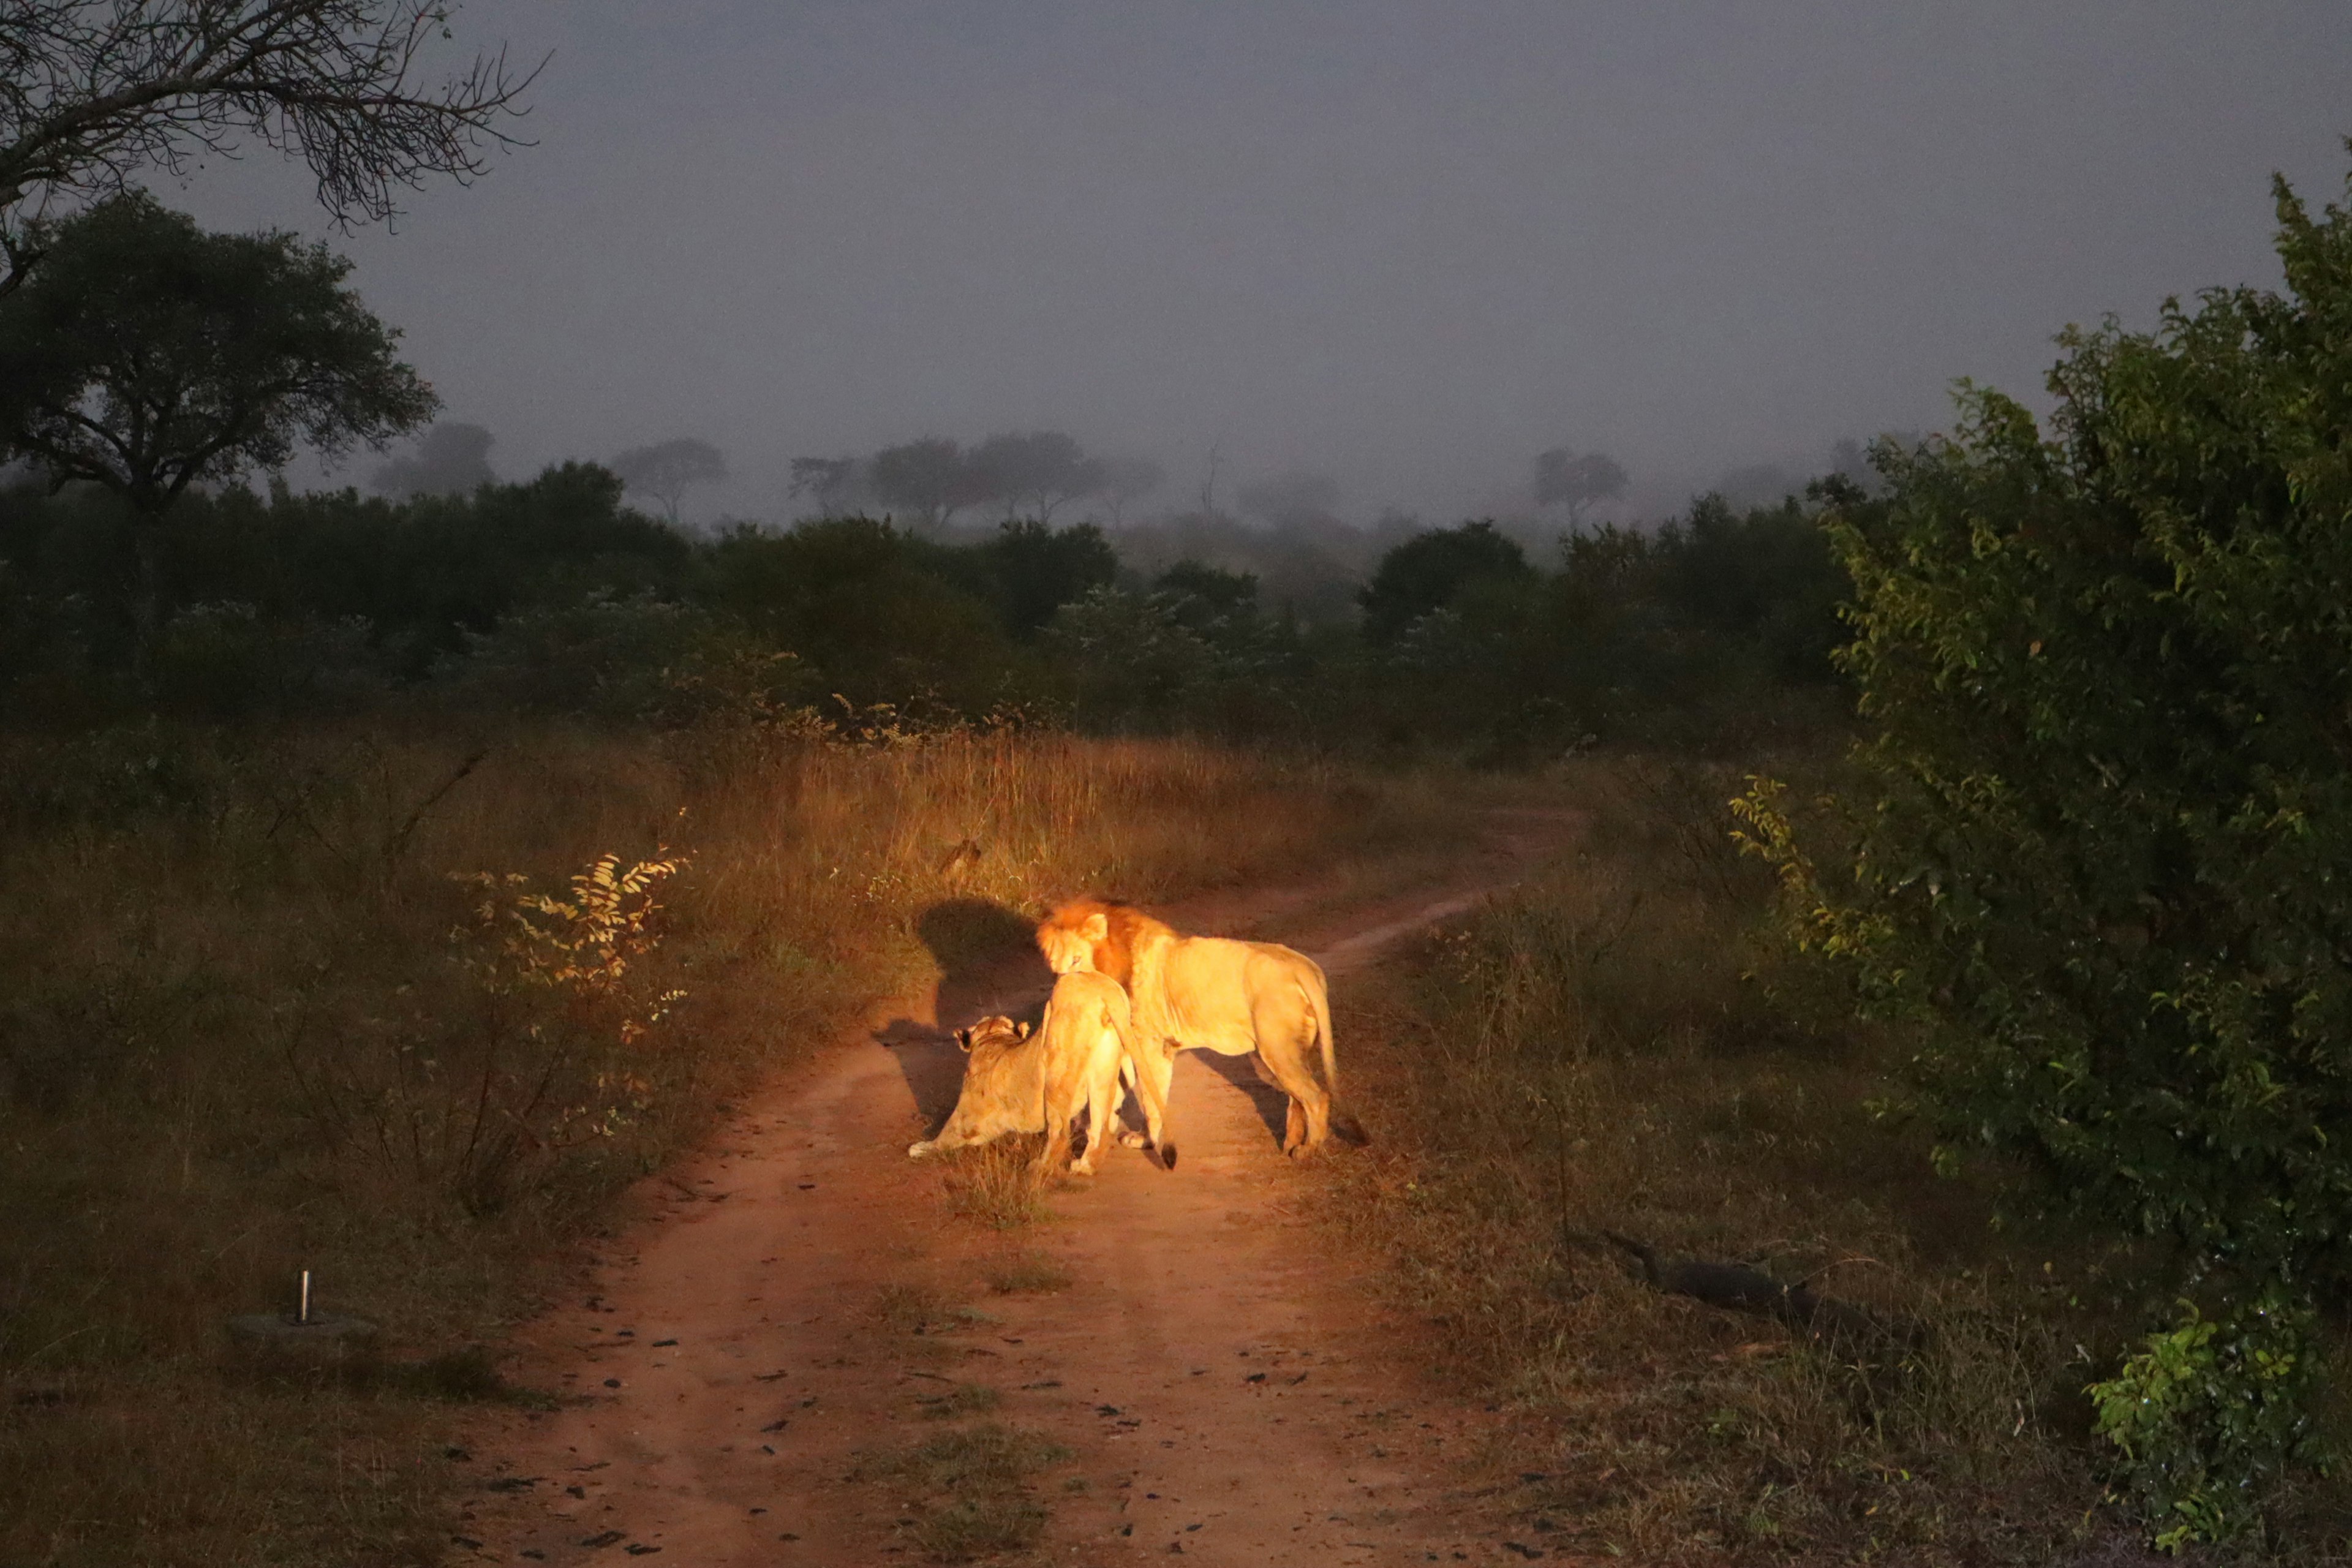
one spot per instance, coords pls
(1017, 1082)
(1208, 992)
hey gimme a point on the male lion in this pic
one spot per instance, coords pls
(1017, 1082)
(1210, 992)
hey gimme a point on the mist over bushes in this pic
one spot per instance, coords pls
(553, 597)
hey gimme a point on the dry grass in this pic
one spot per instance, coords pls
(254, 1027)
(1617, 1048)
(971, 1490)
(1026, 1274)
(998, 1184)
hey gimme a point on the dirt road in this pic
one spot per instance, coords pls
(1222, 1377)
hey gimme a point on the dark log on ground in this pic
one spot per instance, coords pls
(1840, 1327)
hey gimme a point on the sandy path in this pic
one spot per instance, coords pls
(1229, 1389)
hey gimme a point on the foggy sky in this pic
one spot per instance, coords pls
(1410, 243)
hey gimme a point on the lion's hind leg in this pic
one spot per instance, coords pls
(1102, 1106)
(1062, 1101)
(1284, 1039)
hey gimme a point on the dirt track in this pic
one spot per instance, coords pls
(1230, 1389)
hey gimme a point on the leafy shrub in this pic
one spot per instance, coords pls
(636, 658)
(546, 1053)
(1428, 571)
(228, 660)
(2206, 1414)
(2105, 860)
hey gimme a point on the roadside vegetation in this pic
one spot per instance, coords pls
(408, 1009)
(2013, 1034)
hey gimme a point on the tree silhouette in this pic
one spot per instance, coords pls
(931, 478)
(831, 483)
(1040, 470)
(91, 94)
(147, 355)
(667, 470)
(1128, 479)
(1565, 480)
(451, 459)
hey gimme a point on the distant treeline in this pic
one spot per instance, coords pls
(553, 597)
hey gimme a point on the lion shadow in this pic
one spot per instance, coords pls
(989, 963)
(1272, 1105)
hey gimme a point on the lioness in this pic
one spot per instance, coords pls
(1016, 1082)
(1214, 993)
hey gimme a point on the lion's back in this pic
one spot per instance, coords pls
(1222, 986)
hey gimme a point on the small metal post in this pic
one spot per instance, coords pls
(302, 1312)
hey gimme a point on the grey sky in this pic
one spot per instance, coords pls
(1409, 242)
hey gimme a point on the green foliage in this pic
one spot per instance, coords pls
(553, 597)
(340, 595)
(1699, 632)
(638, 658)
(876, 611)
(2206, 1414)
(1032, 570)
(1427, 572)
(145, 354)
(2105, 865)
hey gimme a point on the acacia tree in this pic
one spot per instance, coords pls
(1565, 480)
(92, 91)
(1043, 470)
(667, 470)
(452, 458)
(931, 478)
(2105, 860)
(1126, 479)
(830, 484)
(145, 355)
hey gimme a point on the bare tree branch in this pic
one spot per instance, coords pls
(92, 91)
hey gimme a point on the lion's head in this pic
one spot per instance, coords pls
(1095, 933)
(991, 1036)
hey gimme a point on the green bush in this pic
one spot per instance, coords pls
(630, 659)
(2105, 859)
(2206, 1414)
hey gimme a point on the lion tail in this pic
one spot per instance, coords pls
(1318, 996)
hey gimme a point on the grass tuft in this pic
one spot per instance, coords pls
(912, 1309)
(997, 1184)
(971, 1485)
(964, 1399)
(1026, 1274)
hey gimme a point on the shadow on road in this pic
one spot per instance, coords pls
(1244, 1073)
(988, 961)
